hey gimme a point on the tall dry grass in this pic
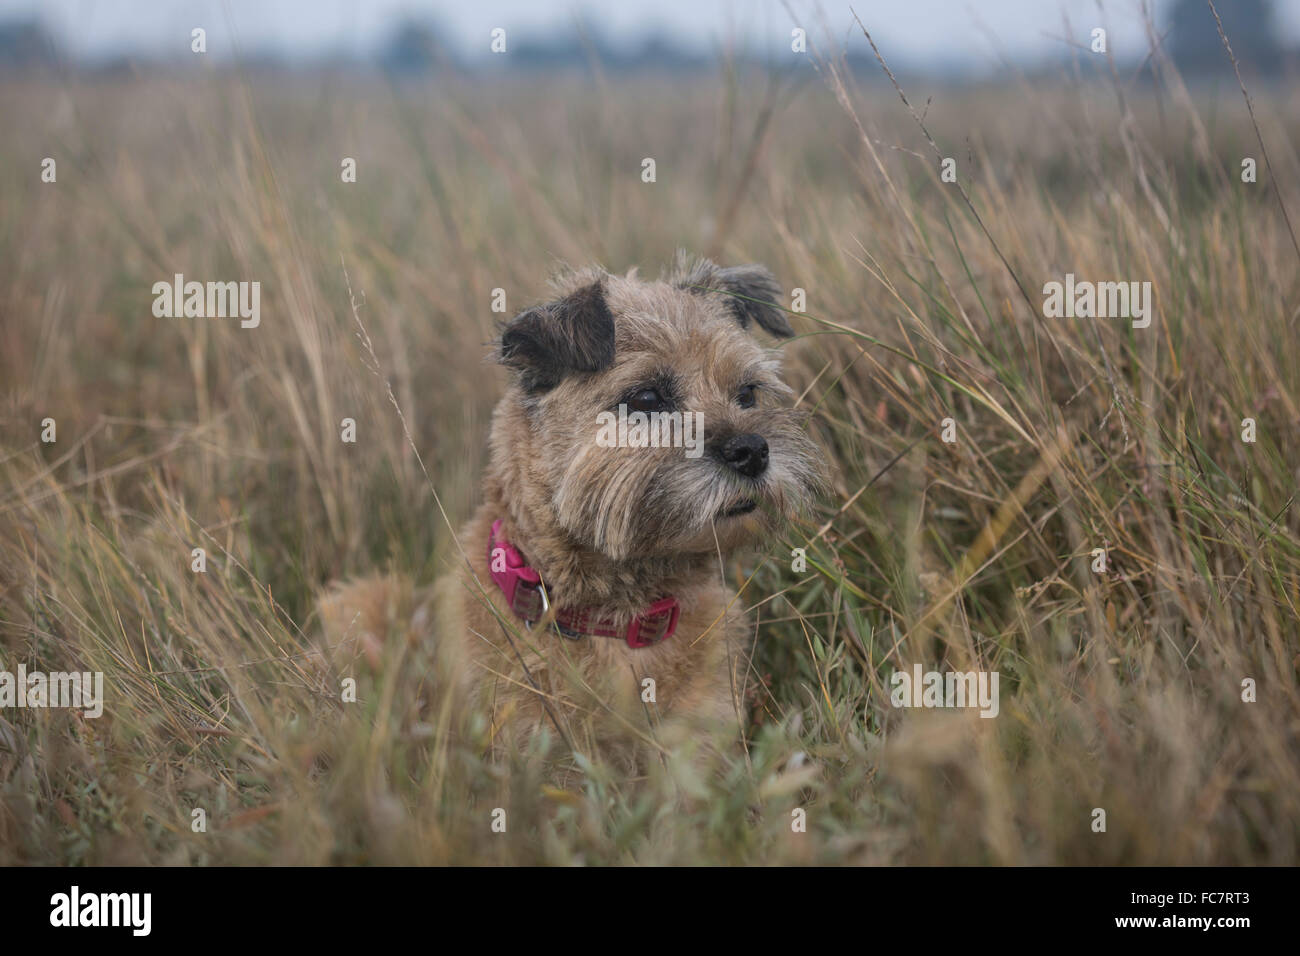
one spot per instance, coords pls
(1120, 690)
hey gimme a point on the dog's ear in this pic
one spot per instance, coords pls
(752, 292)
(573, 334)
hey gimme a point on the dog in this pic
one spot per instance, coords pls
(591, 592)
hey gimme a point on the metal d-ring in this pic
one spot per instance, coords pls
(546, 605)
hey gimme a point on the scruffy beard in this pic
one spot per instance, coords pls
(620, 504)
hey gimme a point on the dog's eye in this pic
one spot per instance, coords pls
(745, 397)
(646, 400)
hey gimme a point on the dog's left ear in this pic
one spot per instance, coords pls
(573, 334)
(752, 293)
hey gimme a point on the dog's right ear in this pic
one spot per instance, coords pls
(573, 334)
(751, 292)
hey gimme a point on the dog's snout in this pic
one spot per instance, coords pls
(746, 453)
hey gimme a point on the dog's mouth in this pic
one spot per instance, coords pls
(738, 509)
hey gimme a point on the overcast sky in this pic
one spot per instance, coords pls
(934, 32)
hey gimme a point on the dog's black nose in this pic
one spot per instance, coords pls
(747, 454)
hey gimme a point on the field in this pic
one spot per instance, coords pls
(1121, 681)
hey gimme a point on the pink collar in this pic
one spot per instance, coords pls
(522, 587)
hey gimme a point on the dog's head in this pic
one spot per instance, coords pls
(655, 421)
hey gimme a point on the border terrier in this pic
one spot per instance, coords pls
(591, 585)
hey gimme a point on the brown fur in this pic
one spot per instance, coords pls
(615, 528)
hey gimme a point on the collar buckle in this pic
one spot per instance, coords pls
(525, 594)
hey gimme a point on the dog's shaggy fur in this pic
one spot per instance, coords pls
(615, 528)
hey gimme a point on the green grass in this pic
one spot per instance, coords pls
(1120, 690)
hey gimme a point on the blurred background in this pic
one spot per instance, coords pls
(939, 38)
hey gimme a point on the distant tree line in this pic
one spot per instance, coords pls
(418, 46)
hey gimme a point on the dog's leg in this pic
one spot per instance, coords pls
(359, 616)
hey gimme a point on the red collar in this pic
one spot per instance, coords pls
(522, 587)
